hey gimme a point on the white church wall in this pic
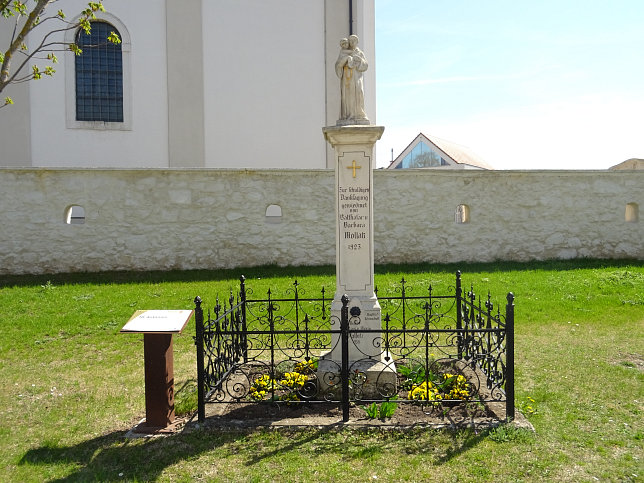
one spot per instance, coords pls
(264, 97)
(14, 128)
(214, 218)
(145, 144)
(185, 84)
(258, 80)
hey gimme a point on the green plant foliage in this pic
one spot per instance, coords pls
(383, 411)
(186, 400)
(527, 406)
(372, 410)
(507, 434)
(415, 375)
(388, 408)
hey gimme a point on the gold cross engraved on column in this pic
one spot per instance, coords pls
(354, 167)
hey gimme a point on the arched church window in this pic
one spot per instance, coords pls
(99, 75)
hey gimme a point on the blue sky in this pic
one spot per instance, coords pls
(525, 84)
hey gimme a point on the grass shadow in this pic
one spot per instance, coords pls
(293, 272)
(360, 443)
(113, 457)
(159, 276)
(507, 266)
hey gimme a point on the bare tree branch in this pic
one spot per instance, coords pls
(19, 40)
(43, 46)
(4, 4)
(27, 21)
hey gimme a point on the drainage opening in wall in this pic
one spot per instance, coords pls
(274, 214)
(632, 214)
(462, 214)
(75, 215)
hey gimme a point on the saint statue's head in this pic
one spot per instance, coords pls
(353, 41)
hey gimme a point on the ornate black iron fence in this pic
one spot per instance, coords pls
(433, 351)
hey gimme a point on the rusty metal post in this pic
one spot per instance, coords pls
(159, 380)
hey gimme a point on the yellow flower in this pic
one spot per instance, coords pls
(423, 392)
(304, 367)
(457, 387)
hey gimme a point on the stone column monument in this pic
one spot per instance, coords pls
(353, 139)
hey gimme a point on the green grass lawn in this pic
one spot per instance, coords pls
(72, 386)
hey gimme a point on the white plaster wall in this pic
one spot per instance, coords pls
(146, 145)
(205, 218)
(264, 90)
(264, 70)
(15, 145)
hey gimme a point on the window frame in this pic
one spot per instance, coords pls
(70, 80)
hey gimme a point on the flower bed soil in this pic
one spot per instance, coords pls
(248, 414)
(406, 414)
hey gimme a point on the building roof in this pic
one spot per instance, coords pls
(633, 163)
(452, 154)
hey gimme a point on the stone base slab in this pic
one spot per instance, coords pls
(370, 378)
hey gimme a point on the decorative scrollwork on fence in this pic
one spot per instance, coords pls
(484, 340)
(432, 350)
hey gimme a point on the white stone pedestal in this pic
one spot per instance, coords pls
(354, 146)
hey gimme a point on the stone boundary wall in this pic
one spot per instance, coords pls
(161, 219)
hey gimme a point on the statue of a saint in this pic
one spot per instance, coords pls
(349, 67)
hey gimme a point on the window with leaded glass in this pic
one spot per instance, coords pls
(99, 76)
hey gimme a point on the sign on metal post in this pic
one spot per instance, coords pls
(157, 327)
